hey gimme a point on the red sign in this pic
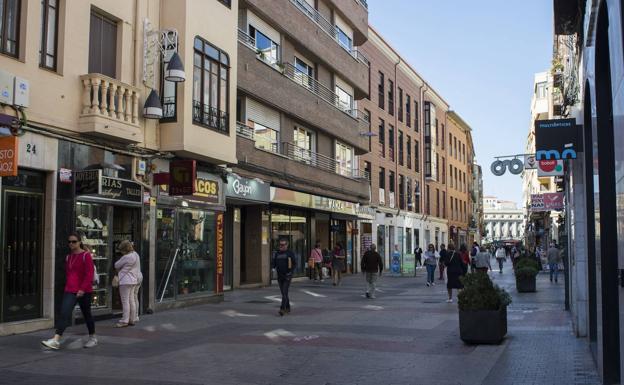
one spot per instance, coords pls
(547, 202)
(161, 178)
(220, 253)
(8, 156)
(182, 174)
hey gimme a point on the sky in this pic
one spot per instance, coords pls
(480, 56)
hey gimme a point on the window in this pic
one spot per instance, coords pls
(345, 100)
(381, 91)
(344, 159)
(267, 49)
(438, 202)
(463, 152)
(367, 118)
(382, 138)
(437, 163)
(540, 90)
(451, 175)
(382, 178)
(304, 145)
(452, 209)
(401, 148)
(443, 170)
(391, 142)
(450, 144)
(227, 3)
(442, 141)
(265, 137)
(49, 32)
(345, 40)
(417, 196)
(408, 189)
(456, 180)
(408, 110)
(444, 204)
(390, 97)
(416, 156)
(416, 116)
(391, 181)
(367, 170)
(455, 148)
(210, 86)
(401, 192)
(103, 46)
(400, 105)
(9, 26)
(168, 89)
(437, 132)
(427, 200)
(304, 74)
(408, 147)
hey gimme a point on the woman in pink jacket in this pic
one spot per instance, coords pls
(78, 289)
(130, 278)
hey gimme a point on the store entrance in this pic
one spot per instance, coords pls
(22, 237)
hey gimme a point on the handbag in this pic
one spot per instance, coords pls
(115, 282)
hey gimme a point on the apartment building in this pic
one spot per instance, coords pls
(301, 77)
(95, 96)
(459, 183)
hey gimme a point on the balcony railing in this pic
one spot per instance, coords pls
(110, 98)
(211, 117)
(328, 27)
(244, 131)
(246, 39)
(363, 3)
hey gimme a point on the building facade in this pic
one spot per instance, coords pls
(301, 77)
(503, 220)
(76, 78)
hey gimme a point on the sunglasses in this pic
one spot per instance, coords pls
(72, 241)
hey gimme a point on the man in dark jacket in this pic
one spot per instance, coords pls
(443, 259)
(284, 264)
(372, 266)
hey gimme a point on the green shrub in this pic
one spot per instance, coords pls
(525, 272)
(480, 293)
(527, 263)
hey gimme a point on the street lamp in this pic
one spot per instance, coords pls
(156, 43)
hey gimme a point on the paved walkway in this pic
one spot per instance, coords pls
(408, 335)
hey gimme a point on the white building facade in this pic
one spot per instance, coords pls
(503, 220)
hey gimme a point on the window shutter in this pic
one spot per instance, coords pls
(262, 114)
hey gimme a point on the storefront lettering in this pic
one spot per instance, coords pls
(8, 156)
(219, 253)
(205, 187)
(242, 189)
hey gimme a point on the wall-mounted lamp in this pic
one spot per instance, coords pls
(156, 45)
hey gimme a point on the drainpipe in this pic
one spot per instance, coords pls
(396, 134)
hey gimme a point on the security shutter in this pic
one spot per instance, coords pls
(262, 114)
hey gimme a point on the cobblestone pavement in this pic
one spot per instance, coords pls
(408, 335)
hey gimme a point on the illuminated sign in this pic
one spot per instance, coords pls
(220, 243)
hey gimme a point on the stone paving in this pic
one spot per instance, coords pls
(408, 335)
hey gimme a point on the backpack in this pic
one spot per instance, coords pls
(96, 277)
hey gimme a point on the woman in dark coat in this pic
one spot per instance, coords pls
(456, 268)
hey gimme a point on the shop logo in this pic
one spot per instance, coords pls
(241, 188)
(568, 153)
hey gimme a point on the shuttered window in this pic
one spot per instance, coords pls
(103, 46)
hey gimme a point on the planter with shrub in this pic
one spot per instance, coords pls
(526, 270)
(482, 310)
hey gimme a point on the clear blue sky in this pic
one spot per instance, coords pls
(480, 56)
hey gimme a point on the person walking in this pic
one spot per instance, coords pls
(500, 258)
(284, 264)
(130, 278)
(455, 269)
(554, 258)
(316, 255)
(430, 262)
(338, 263)
(473, 255)
(482, 261)
(418, 253)
(78, 289)
(372, 267)
(464, 255)
(442, 262)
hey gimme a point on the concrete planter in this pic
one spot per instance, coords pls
(525, 285)
(483, 326)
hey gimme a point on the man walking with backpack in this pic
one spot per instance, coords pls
(372, 267)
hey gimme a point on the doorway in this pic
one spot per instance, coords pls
(22, 238)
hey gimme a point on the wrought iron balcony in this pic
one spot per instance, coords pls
(328, 27)
(211, 117)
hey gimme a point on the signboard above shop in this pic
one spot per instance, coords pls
(8, 155)
(299, 199)
(93, 183)
(182, 174)
(247, 189)
(547, 202)
(557, 139)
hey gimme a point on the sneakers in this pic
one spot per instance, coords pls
(91, 342)
(51, 344)
(450, 300)
(428, 284)
(367, 295)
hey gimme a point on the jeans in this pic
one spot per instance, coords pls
(318, 271)
(67, 308)
(284, 285)
(371, 282)
(554, 268)
(500, 264)
(129, 302)
(430, 273)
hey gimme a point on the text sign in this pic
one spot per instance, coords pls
(91, 182)
(247, 189)
(182, 176)
(88, 182)
(220, 252)
(8, 156)
(547, 202)
(557, 139)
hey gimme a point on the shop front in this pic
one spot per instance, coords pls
(303, 219)
(247, 239)
(189, 244)
(27, 182)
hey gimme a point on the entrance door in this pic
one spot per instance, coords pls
(22, 239)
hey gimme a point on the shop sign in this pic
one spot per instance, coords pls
(91, 182)
(182, 176)
(220, 243)
(366, 212)
(547, 202)
(549, 168)
(8, 156)
(557, 139)
(207, 190)
(248, 189)
(299, 199)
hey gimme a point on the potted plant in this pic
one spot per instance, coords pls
(482, 310)
(526, 270)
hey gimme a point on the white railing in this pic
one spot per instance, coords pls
(108, 97)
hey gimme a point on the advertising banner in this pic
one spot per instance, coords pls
(220, 246)
(547, 202)
(529, 162)
(557, 139)
(549, 168)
